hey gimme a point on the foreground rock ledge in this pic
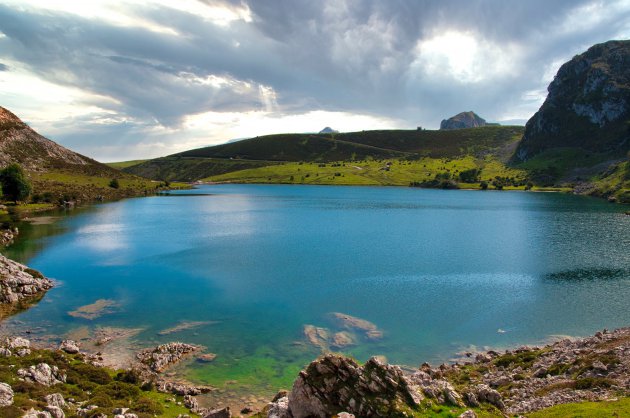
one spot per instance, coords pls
(527, 379)
(19, 282)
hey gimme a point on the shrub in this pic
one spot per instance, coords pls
(92, 373)
(483, 185)
(469, 176)
(149, 406)
(101, 400)
(118, 390)
(593, 382)
(114, 184)
(128, 376)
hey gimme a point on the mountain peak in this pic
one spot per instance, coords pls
(328, 130)
(7, 116)
(588, 105)
(463, 120)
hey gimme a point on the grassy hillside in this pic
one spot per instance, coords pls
(190, 168)
(295, 147)
(124, 164)
(381, 172)
(58, 174)
(270, 154)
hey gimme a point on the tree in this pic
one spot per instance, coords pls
(114, 184)
(15, 185)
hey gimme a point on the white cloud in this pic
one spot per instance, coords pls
(124, 13)
(41, 103)
(464, 58)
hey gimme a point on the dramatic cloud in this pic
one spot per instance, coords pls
(128, 79)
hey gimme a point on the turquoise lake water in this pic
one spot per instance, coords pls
(436, 271)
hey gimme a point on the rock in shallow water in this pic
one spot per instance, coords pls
(18, 282)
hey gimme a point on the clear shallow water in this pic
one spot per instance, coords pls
(437, 271)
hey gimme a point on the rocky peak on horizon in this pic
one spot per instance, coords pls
(6, 117)
(328, 130)
(463, 120)
(588, 105)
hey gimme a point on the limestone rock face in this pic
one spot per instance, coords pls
(6, 395)
(18, 282)
(279, 408)
(55, 399)
(32, 413)
(42, 374)
(334, 384)
(462, 121)
(69, 346)
(588, 105)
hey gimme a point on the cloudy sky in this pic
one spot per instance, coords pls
(119, 80)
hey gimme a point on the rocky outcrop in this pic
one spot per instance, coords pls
(514, 382)
(6, 395)
(18, 282)
(69, 346)
(33, 413)
(334, 384)
(462, 121)
(15, 346)
(218, 413)
(43, 374)
(7, 235)
(588, 105)
(165, 355)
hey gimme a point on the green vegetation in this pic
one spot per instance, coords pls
(487, 143)
(476, 158)
(189, 168)
(124, 164)
(103, 387)
(617, 408)
(380, 172)
(15, 185)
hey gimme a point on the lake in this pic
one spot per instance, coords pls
(241, 269)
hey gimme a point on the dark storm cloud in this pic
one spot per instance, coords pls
(4, 67)
(352, 56)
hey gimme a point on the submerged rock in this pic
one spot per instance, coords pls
(353, 323)
(342, 339)
(317, 336)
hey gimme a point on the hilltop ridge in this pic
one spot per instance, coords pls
(58, 174)
(588, 105)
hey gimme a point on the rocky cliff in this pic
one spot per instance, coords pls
(462, 121)
(588, 105)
